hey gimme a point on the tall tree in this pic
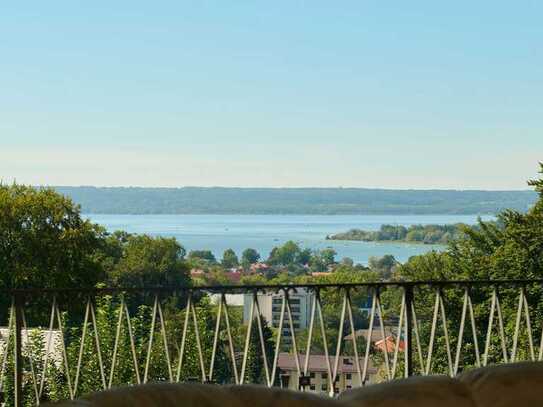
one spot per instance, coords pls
(149, 261)
(44, 241)
(284, 255)
(249, 256)
(229, 259)
(202, 255)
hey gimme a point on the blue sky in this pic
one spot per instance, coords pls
(398, 94)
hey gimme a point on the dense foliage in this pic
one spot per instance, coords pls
(144, 261)
(427, 234)
(44, 242)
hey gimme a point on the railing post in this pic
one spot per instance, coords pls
(409, 324)
(18, 360)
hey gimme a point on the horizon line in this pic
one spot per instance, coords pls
(463, 189)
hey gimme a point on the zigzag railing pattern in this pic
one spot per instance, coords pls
(421, 328)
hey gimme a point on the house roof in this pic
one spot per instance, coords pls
(317, 363)
(259, 266)
(389, 344)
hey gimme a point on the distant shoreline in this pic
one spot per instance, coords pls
(402, 242)
(484, 216)
(294, 201)
(399, 242)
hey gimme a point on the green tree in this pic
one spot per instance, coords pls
(149, 261)
(229, 259)
(322, 259)
(317, 264)
(304, 257)
(328, 255)
(206, 256)
(248, 257)
(285, 254)
(44, 241)
(384, 265)
(538, 184)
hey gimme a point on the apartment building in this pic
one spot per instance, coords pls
(270, 308)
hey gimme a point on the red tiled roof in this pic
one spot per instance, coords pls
(390, 344)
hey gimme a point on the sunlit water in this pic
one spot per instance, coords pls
(262, 232)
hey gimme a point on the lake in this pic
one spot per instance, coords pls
(263, 232)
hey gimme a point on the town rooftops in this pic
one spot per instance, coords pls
(231, 276)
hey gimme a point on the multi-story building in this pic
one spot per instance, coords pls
(319, 379)
(270, 308)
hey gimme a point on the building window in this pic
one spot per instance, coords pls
(312, 375)
(312, 387)
(348, 376)
(348, 387)
(324, 375)
(295, 301)
(324, 387)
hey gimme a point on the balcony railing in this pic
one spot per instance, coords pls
(61, 344)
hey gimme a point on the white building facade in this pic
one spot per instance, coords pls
(270, 308)
(319, 376)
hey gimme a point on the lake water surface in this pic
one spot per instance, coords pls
(262, 232)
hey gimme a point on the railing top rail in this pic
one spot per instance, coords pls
(270, 287)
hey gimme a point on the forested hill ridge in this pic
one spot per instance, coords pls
(427, 234)
(317, 201)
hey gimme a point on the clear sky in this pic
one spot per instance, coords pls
(398, 94)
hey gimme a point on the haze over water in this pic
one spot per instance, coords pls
(263, 232)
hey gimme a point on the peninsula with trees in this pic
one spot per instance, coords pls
(426, 234)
